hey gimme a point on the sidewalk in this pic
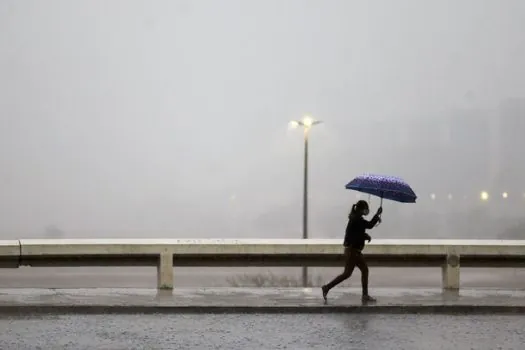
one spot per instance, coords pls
(257, 300)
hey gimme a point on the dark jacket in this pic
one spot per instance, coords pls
(355, 235)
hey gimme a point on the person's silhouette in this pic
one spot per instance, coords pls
(354, 242)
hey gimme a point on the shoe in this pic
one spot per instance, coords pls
(325, 294)
(368, 299)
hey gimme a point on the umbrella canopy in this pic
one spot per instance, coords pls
(388, 187)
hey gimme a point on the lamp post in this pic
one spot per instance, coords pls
(307, 123)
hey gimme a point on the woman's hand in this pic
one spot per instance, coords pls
(367, 237)
(379, 211)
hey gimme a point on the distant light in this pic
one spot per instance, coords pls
(505, 195)
(449, 196)
(432, 196)
(484, 196)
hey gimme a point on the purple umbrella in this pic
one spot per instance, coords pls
(388, 187)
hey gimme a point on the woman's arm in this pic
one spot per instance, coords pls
(371, 224)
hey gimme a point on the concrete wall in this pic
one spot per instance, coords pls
(31, 247)
(166, 253)
(9, 254)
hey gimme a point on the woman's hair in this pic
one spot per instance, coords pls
(358, 208)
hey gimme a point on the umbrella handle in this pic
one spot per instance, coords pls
(380, 205)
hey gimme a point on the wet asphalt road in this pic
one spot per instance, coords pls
(240, 332)
(253, 331)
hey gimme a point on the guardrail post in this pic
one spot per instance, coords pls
(450, 272)
(165, 271)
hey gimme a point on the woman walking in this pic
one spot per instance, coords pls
(354, 243)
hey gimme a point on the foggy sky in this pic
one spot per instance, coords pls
(144, 118)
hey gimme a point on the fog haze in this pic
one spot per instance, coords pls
(170, 118)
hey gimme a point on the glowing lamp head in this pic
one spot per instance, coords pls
(308, 121)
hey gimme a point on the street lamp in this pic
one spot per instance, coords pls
(307, 123)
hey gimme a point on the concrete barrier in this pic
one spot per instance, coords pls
(9, 254)
(166, 253)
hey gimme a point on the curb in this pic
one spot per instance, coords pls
(33, 310)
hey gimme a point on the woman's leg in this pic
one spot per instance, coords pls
(363, 266)
(350, 263)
